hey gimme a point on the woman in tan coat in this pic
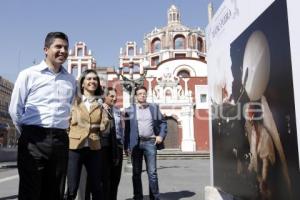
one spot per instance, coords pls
(84, 136)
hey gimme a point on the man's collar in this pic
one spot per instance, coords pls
(142, 106)
(43, 66)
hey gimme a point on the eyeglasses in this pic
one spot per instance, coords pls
(141, 94)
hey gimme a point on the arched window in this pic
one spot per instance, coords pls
(130, 51)
(83, 68)
(156, 45)
(179, 42)
(200, 44)
(74, 71)
(79, 52)
(168, 93)
(183, 73)
(174, 16)
(154, 60)
(136, 67)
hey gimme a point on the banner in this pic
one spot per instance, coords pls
(253, 118)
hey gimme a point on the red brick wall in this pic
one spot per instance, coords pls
(201, 130)
(200, 115)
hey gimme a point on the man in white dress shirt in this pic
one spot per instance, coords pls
(40, 109)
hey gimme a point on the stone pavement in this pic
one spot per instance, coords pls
(8, 154)
(179, 179)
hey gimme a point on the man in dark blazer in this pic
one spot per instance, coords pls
(145, 130)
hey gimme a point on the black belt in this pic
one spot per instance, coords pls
(46, 130)
(146, 138)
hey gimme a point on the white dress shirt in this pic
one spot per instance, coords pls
(88, 104)
(43, 98)
(118, 123)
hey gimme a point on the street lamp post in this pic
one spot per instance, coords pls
(129, 84)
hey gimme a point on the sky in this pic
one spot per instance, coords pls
(104, 25)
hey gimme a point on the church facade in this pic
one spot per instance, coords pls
(172, 65)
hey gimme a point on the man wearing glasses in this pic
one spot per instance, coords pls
(145, 130)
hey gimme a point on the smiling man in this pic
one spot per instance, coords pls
(40, 109)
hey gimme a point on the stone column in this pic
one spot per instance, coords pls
(188, 140)
(69, 67)
(90, 64)
(79, 68)
(186, 89)
(150, 92)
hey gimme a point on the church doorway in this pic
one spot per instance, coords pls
(171, 141)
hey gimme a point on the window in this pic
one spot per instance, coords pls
(154, 61)
(179, 42)
(201, 96)
(156, 45)
(168, 93)
(83, 68)
(183, 74)
(180, 55)
(75, 70)
(130, 51)
(79, 52)
(136, 67)
(200, 44)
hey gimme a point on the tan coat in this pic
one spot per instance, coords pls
(86, 124)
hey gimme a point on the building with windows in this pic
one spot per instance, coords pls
(80, 59)
(174, 57)
(8, 136)
(174, 60)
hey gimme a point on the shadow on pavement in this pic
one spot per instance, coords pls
(163, 167)
(172, 195)
(9, 197)
(177, 195)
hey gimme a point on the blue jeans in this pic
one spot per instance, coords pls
(91, 159)
(147, 149)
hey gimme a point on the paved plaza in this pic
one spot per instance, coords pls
(179, 179)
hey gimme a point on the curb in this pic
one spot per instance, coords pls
(177, 154)
(8, 154)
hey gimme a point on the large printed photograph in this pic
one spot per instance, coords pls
(255, 153)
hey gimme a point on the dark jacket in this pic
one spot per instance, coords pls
(111, 141)
(131, 126)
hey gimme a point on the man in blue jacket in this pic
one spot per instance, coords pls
(145, 130)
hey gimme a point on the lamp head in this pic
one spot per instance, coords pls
(256, 65)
